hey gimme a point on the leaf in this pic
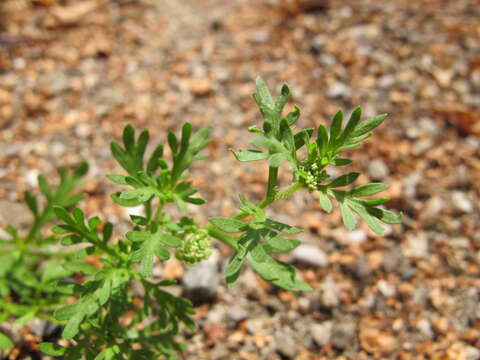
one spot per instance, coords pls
(232, 271)
(369, 125)
(151, 244)
(341, 162)
(276, 159)
(348, 218)
(142, 195)
(117, 179)
(325, 202)
(5, 342)
(278, 273)
(352, 123)
(124, 202)
(368, 189)
(279, 244)
(263, 94)
(369, 219)
(31, 201)
(228, 225)
(344, 180)
(293, 116)
(287, 229)
(249, 155)
(336, 126)
(52, 349)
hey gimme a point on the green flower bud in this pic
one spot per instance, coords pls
(195, 246)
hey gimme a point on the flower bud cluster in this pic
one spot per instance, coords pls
(195, 246)
(313, 174)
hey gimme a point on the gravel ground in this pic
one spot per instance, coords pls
(72, 74)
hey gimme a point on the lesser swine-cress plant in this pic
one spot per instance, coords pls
(106, 320)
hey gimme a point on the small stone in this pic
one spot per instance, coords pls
(329, 292)
(416, 245)
(201, 281)
(344, 335)
(338, 90)
(361, 269)
(310, 255)
(356, 237)
(378, 170)
(432, 209)
(234, 315)
(200, 86)
(461, 202)
(286, 345)
(425, 328)
(321, 333)
(387, 289)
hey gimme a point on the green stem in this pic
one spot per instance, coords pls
(158, 212)
(272, 182)
(225, 238)
(148, 209)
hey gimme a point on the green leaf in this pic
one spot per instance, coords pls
(52, 349)
(325, 202)
(151, 244)
(336, 126)
(228, 225)
(369, 125)
(279, 244)
(348, 218)
(344, 180)
(124, 202)
(31, 201)
(368, 189)
(341, 162)
(293, 116)
(278, 273)
(5, 342)
(118, 179)
(141, 195)
(249, 155)
(232, 271)
(275, 160)
(351, 125)
(369, 219)
(287, 229)
(263, 93)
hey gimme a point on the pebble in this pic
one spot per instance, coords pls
(286, 345)
(310, 255)
(329, 292)
(234, 315)
(387, 289)
(356, 237)
(344, 335)
(321, 333)
(201, 281)
(361, 269)
(378, 170)
(338, 90)
(416, 245)
(461, 202)
(425, 328)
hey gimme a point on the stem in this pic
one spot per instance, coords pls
(225, 238)
(148, 209)
(272, 182)
(158, 212)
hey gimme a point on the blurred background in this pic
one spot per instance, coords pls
(73, 73)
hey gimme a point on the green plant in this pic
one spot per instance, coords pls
(28, 265)
(103, 322)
